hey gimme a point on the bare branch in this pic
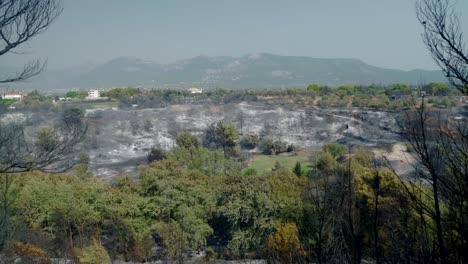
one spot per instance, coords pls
(20, 21)
(29, 70)
(49, 152)
(444, 39)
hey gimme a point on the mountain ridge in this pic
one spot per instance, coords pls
(262, 70)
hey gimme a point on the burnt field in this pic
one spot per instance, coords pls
(119, 140)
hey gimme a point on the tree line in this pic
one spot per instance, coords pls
(199, 197)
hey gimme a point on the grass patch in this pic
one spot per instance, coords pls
(7, 102)
(263, 163)
(92, 104)
(103, 104)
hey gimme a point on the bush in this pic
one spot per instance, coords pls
(270, 147)
(174, 241)
(92, 254)
(298, 169)
(250, 172)
(291, 148)
(249, 142)
(336, 150)
(266, 146)
(408, 147)
(156, 154)
(31, 253)
(284, 245)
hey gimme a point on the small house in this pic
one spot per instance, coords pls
(195, 90)
(13, 95)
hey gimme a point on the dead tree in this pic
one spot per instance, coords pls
(440, 146)
(20, 21)
(48, 151)
(443, 37)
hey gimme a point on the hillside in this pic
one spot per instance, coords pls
(252, 71)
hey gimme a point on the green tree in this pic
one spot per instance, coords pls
(223, 136)
(187, 140)
(179, 195)
(298, 169)
(277, 166)
(438, 89)
(313, 87)
(336, 150)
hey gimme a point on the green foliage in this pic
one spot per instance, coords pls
(224, 137)
(204, 160)
(254, 205)
(246, 204)
(196, 198)
(122, 93)
(264, 163)
(228, 137)
(286, 192)
(347, 89)
(187, 141)
(437, 89)
(35, 96)
(313, 87)
(401, 87)
(250, 172)
(174, 240)
(7, 102)
(179, 195)
(277, 166)
(326, 163)
(92, 254)
(336, 150)
(298, 169)
(76, 94)
(46, 206)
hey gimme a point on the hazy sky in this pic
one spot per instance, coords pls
(380, 32)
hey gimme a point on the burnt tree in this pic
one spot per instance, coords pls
(20, 21)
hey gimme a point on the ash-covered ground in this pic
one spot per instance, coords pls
(118, 141)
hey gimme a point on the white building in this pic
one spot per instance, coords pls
(94, 94)
(13, 95)
(194, 90)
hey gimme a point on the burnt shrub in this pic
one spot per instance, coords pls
(249, 142)
(270, 147)
(156, 153)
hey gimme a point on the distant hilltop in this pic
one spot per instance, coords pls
(251, 71)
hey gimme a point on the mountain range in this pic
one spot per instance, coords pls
(251, 71)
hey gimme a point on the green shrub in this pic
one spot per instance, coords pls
(92, 254)
(250, 172)
(336, 150)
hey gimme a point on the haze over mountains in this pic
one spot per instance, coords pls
(251, 71)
